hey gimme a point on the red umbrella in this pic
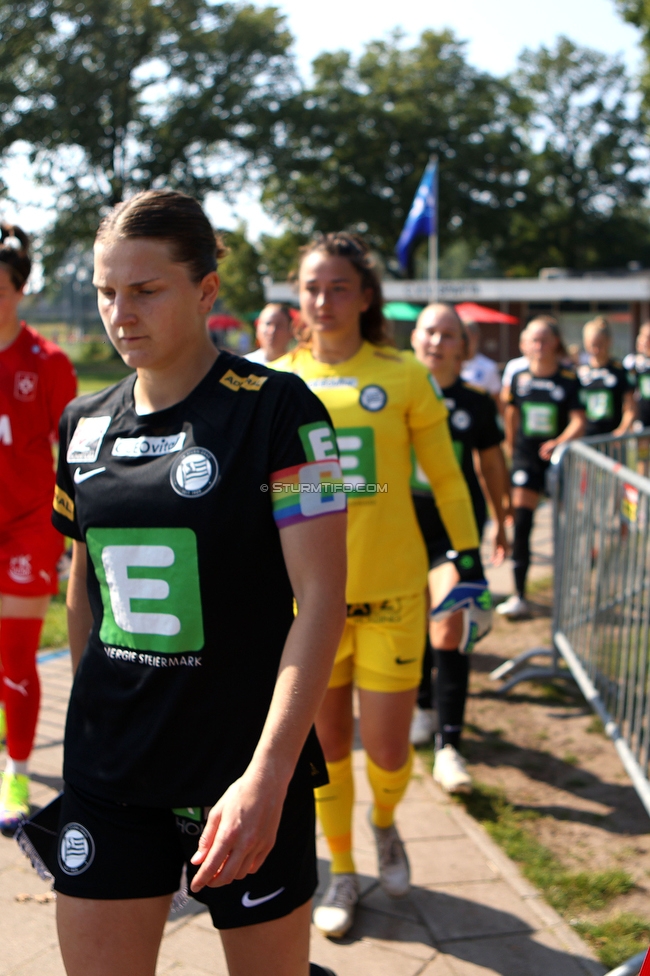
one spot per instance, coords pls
(471, 312)
(221, 321)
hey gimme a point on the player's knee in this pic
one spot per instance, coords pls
(445, 635)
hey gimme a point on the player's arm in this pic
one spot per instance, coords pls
(629, 414)
(493, 468)
(429, 432)
(511, 425)
(80, 619)
(575, 428)
(242, 826)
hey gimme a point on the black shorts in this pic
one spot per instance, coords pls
(529, 471)
(433, 530)
(108, 850)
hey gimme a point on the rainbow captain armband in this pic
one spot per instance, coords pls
(475, 602)
(307, 491)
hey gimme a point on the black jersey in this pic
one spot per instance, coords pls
(473, 425)
(545, 403)
(189, 593)
(602, 391)
(638, 374)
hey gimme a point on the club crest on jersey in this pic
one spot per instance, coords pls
(87, 439)
(25, 386)
(461, 420)
(373, 398)
(76, 849)
(194, 473)
(20, 569)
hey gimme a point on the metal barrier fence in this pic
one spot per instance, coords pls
(601, 600)
(601, 606)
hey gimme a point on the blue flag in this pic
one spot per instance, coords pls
(423, 215)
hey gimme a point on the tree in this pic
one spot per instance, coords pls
(585, 195)
(279, 255)
(241, 290)
(117, 95)
(350, 151)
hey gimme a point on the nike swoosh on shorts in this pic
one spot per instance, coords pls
(249, 902)
(80, 476)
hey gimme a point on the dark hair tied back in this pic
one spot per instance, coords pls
(16, 259)
(355, 250)
(170, 217)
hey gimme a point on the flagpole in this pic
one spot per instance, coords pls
(433, 242)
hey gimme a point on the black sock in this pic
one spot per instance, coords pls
(451, 688)
(521, 547)
(425, 691)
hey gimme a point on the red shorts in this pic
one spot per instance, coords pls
(29, 551)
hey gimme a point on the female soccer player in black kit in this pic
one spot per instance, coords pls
(189, 733)
(440, 343)
(544, 410)
(607, 393)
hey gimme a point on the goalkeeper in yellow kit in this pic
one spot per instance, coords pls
(381, 405)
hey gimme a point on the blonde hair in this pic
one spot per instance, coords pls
(599, 325)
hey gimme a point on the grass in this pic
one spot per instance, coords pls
(569, 892)
(94, 376)
(55, 627)
(616, 939)
(596, 727)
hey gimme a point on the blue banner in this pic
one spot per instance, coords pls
(423, 215)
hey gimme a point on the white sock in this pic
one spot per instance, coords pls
(16, 766)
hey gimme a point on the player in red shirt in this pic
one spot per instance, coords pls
(37, 380)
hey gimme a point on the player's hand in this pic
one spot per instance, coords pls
(500, 547)
(240, 831)
(546, 449)
(475, 603)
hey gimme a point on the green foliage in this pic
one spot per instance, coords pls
(617, 939)
(351, 150)
(542, 169)
(117, 95)
(279, 255)
(241, 288)
(567, 891)
(55, 625)
(585, 193)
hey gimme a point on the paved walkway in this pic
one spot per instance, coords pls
(469, 912)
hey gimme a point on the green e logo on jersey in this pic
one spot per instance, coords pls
(357, 450)
(356, 447)
(599, 404)
(149, 583)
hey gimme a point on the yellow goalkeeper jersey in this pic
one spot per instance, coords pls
(382, 404)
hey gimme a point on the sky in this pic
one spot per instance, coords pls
(495, 32)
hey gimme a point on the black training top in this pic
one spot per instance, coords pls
(473, 425)
(602, 392)
(544, 404)
(189, 593)
(638, 374)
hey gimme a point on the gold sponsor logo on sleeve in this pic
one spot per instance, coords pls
(63, 504)
(234, 382)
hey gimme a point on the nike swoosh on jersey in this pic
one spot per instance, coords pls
(80, 476)
(408, 660)
(249, 902)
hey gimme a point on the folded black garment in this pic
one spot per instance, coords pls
(37, 838)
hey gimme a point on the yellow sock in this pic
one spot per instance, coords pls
(388, 787)
(334, 808)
